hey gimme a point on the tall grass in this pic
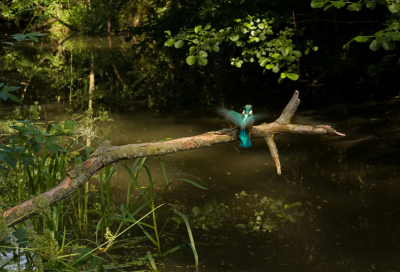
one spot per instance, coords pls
(37, 162)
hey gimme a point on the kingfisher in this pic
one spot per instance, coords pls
(244, 121)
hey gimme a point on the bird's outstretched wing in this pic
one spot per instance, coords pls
(232, 116)
(255, 118)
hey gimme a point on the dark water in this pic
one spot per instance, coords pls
(348, 187)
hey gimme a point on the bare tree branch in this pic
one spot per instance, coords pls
(107, 154)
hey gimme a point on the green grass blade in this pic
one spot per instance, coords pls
(136, 184)
(141, 227)
(189, 230)
(151, 260)
(194, 183)
(175, 249)
(163, 170)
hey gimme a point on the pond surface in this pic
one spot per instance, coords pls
(348, 187)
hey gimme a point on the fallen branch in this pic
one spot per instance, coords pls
(107, 154)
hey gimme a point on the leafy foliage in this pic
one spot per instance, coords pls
(384, 38)
(258, 38)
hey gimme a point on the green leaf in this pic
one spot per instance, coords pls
(197, 28)
(374, 45)
(93, 261)
(169, 42)
(178, 44)
(192, 49)
(207, 27)
(361, 39)
(276, 55)
(10, 88)
(196, 211)
(394, 8)
(4, 96)
(57, 128)
(315, 48)
(261, 26)
(394, 35)
(317, 4)
(275, 69)
(203, 54)
(27, 160)
(53, 147)
(263, 61)
(296, 204)
(19, 37)
(32, 37)
(338, 4)
(297, 53)
(239, 43)
(270, 66)
(168, 33)
(201, 60)
(262, 36)
(328, 6)
(191, 60)
(234, 38)
(205, 46)
(215, 48)
(390, 45)
(14, 98)
(354, 7)
(283, 75)
(292, 76)
(371, 5)
(181, 35)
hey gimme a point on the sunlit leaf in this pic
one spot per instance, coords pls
(179, 44)
(317, 4)
(202, 61)
(394, 7)
(191, 60)
(338, 4)
(169, 42)
(205, 46)
(292, 76)
(234, 38)
(197, 28)
(361, 39)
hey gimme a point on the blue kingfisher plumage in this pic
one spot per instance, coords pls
(244, 121)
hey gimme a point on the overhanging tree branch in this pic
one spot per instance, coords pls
(107, 154)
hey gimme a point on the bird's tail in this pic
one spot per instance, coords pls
(244, 138)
